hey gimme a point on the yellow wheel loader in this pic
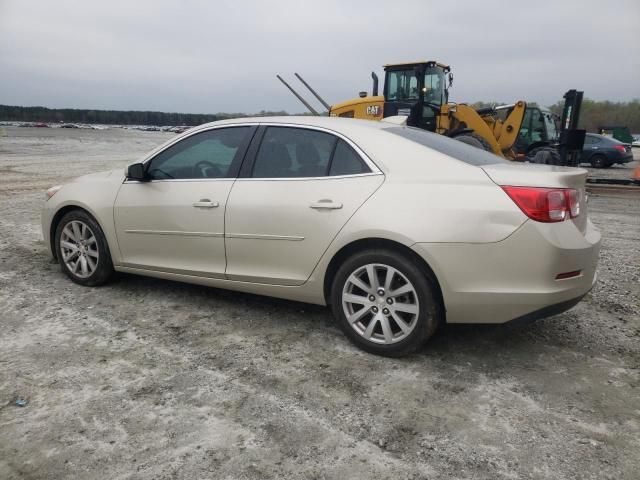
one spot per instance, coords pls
(419, 91)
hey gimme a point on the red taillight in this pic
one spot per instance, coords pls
(573, 199)
(620, 148)
(546, 204)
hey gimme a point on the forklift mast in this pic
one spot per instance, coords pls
(571, 138)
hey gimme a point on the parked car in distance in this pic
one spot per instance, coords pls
(636, 141)
(601, 151)
(397, 229)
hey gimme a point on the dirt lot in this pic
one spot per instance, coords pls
(148, 379)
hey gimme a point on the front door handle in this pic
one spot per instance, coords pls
(206, 203)
(325, 204)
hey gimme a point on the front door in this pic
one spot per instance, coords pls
(301, 189)
(175, 221)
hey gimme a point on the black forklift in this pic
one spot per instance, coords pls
(548, 139)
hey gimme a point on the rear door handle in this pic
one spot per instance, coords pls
(325, 204)
(206, 203)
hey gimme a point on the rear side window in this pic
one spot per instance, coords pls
(287, 152)
(346, 161)
(293, 152)
(448, 146)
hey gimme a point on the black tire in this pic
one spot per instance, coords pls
(474, 140)
(103, 266)
(599, 161)
(426, 321)
(544, 156)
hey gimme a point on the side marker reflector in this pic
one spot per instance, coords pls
(565, 275)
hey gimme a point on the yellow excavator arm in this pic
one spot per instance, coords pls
(501, 135)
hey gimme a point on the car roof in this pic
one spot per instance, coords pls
(338, 124)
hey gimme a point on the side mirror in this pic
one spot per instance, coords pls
(136, 172)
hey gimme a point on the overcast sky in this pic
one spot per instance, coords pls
(222, 56)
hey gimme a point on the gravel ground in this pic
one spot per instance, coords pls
(146, 378)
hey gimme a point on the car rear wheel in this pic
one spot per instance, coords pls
(82, 249)
(599, 161)
(384, 303)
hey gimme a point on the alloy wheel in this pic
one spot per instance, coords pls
(380, 303)
(79, 249)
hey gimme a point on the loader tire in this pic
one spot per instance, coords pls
(544, 156)
(474, 140)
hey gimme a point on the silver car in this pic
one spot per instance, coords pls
(396, 229)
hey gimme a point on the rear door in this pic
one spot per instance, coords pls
(298, 190)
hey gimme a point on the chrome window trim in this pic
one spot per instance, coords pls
(308, 179)
(363, 156)
(230, 179)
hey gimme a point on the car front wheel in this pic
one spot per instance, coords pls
(385, 303)
(82, 249)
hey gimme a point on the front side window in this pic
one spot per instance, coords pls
(434, 86)
(204, 155)
(287, 152)
(402, 85)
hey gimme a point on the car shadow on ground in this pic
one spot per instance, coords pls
(469, 338)
(476, 340)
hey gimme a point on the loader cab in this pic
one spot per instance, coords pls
(417, 90)
(539, 127)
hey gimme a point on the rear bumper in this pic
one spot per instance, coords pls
(515, 278)
(625, 158)
(549, 311)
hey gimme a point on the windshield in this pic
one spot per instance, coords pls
(402, 85)
(550, 122)
(448, 146)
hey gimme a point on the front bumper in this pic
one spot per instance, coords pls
(46, 216)
(502, 281)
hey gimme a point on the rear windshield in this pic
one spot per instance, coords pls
(448, 146)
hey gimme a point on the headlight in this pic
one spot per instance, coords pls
(52, 191)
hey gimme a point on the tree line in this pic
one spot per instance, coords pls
(113, 117)
(594, 114)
